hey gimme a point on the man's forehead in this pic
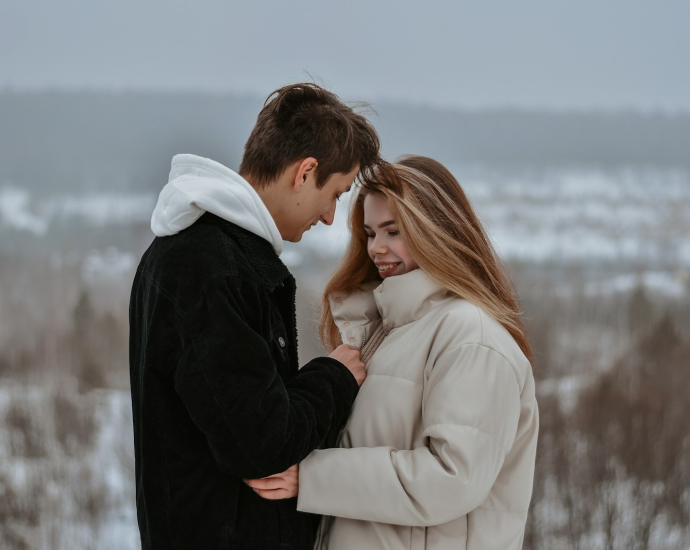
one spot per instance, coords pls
(347, 183)
(342, 183)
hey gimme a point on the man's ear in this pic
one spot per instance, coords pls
(306, 169)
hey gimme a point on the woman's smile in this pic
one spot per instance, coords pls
(387, 269)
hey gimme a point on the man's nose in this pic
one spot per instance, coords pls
(328, 217)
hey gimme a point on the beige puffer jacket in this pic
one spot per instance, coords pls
(439, 449)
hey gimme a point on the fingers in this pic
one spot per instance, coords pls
(266, 483)
(277, 486)
(271, 488)
(276, 494)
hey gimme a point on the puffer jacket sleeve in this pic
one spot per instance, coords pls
(470, 415)
(254, 424)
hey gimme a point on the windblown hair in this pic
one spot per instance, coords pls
(443, 235)
(305, 120)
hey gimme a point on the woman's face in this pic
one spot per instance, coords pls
(385, 245)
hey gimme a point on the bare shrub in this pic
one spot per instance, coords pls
(19, 514)
(12, 539)
(27, 438)
(91, 375)
(91, 496)
(640, 311)
(75, 426)
(540, 332)
(99, 343)
(615, 473)
(634, 422)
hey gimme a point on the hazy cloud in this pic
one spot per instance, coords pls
(536, 53)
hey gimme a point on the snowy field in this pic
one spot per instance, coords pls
(565, 215)
(637, 221)
(67, 469)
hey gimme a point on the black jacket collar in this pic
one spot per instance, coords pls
(258, 250)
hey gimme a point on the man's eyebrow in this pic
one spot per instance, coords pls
(381, 225)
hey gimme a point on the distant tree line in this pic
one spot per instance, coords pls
(58, 141)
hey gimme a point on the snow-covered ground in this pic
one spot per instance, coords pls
(21, 211)
(566, 214)
(67, 466)
(569, 215)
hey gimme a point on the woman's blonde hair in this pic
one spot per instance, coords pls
(443, 235)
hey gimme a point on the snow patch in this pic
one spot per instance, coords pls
(671, 285)
(15, 213)
(109, 265)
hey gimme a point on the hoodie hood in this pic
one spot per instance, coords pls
(197, 185)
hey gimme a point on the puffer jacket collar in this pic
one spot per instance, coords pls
(405, 298)
(394, 302)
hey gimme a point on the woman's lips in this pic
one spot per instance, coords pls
(389, 271)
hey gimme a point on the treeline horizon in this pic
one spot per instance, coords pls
(57, 141)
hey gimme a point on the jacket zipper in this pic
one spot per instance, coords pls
(318, 534)
(321, 532)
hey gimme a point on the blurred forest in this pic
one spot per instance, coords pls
(590, 210)
(59, 141)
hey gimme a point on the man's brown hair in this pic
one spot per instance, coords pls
(305, 120)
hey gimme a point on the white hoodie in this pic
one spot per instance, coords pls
(197, 185)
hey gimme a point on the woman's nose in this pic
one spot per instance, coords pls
(378, 246)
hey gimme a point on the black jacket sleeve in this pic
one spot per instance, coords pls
(255, 424)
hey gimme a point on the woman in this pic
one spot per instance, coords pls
(439, 449)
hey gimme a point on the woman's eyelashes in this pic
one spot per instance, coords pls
(391, 233)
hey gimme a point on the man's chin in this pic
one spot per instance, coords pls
(295, 238)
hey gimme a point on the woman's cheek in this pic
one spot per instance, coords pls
(407, 259)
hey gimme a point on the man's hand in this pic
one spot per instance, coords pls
(349, 356)
(278, 486)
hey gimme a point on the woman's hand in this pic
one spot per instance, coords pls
(278, 486)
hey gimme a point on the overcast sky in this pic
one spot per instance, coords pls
(530, 53)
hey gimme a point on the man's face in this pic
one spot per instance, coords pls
(312, 205)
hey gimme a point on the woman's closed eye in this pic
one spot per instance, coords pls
(391, 233)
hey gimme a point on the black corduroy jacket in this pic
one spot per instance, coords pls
(217, 395)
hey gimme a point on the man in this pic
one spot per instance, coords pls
(217, 395)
